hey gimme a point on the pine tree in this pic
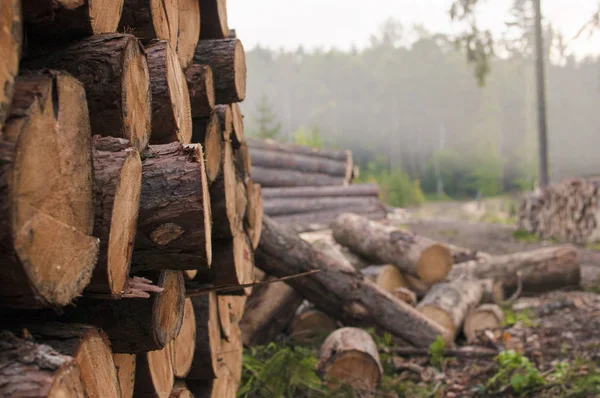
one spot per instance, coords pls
(268, 127)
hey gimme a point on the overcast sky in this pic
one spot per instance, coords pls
(343, 23)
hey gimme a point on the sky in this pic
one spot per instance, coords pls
(342, 24)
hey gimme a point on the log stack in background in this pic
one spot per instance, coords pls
(124, 177)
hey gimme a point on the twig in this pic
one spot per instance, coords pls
(464, 352)
(517, 293)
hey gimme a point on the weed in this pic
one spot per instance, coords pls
(523, 317)
(515, 372)
(436, 352)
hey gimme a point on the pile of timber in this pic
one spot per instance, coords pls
(568, 211)
(128, 218)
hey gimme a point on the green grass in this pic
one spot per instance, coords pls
(525, 237)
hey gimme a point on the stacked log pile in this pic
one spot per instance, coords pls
(568, 211)
(128, 218)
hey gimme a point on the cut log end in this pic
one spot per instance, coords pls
(10, 42)
(224, 316)
(189, 30)
(226, 222)
(207, 132)
(98, 370)
(484, 317)
(225, 116)
(439, 316)
(406, 295)
(239, 62)
(312, 326)
(104, 15)
(125, 365)
(183, 345)
(154, 374)
(237, 137)
(214, 19)
(169, 306)
(435, 263)
(201, 89)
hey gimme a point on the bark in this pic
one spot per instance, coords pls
(137, 325)
(202, 92)
(386, 277)
(117, 185)
(232, 34)
(349, 355)
(344, 295)
(323, 219)
(174, 226)
(227, 60)
(46, 201)
(484, 317)
(35, 370)
(208, 338)
(125, 365)
(237, 138)
(360, 190)
(61, 21)
(234, 261)
(11, 38)
(323, 241)
(182, 347)
(171, 112)
(226, 222)
(189, 31)
(311, 326)
(412, 254)
(231, 352)
(272, 145)
(213, 19)
(115, 75)
(90, 349)
(269, 309)
(206, 131)
(154, 374)
(541, 270)
(274, 177)
(298, 162)
(254, 213)
(151, 19)
(289, 206)
(449, 303)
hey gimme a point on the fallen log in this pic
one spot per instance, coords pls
(419, 287)
(46, 202)
(361, 190)
(406, 295)
(11, 38)
(298, 162)
(121, 105)
(206, 131)
(339, 155)
(273, 177)
(213, 19)
(35, 370)
(344, 295)
(200, 86)
(151, 19)
(350, 356)
(154, 374)
(275, 207)
(412, 254)
(237, 136)
(208, 338)
(171, 112)
(183, 346)
(189, 31)
(448, 304)
(484, 317)
(461, 352)
(228, 63)
(310, 325)
(125, 365)
(324, 218)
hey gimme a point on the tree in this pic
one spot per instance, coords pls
(267, 126)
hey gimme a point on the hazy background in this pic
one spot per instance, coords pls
(384, 79)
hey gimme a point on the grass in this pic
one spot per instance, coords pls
(526, 237)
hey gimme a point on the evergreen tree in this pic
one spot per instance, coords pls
(267, 125)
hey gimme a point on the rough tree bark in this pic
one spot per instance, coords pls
(202, 92)
(182, 347)
(189, 31)
(298, 162)
(206, 131)
(268, 177)
(214, 19)
(275, 207)
(208, 338)
(125, 365)
(361, 190)
(339, 155)
(154, 374)
(11, 37)
(151, 19)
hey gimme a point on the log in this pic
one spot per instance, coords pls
(154, 374)
(269, 144)
(406, 295)
(282, 253)
(51, 22)
(273, 177)
(323, 240)
(213, 19)
(225, 117)
(233, 261)
(208, 338)
(89, 348)
(385, 276)
(254, 213)
(180, 390)
(360, 190)
(449, 303)
(206, 131)
(541, 270)
(46, 202)
(289, 206)
(323, 219)
(151, 19)
(232, 352)
(268, 311)
(243, 163)
(493, 291)
(182, 347)
(223, 386)
(412, 254)
(171, 112)
(484, 317)
(237, 138)
(226, 222)
(11, 38)
(114, 72)
(237, 306)
(202, 92)
(189, 31)
(117, 185)
(419, 287)
(125, 365)
(190, 274)
(174, 226)
(137, 325)
(35, 370)
(231, 34)
(350, 356)
(228, 63)
(311, 326)
(298, 162)
(225, 316)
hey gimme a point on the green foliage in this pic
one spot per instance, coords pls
(513, 317)
(436, 352)
(267, 126)
(525, 237)
(309, 137)
(515, 372)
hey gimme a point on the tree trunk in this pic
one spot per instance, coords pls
(174, 226)
(323, 219)
(125, 365)
(282, 253)
(154, 374)
(151, 19)
(36, 371)
(275, 177)
(298, 162)
(272, 145)
(254, 213)
(289, 206)
(11, 37)
(360, 190)
(206, 131)
(90, 349)
(182, 347)
(171, 113)
(449, 303)
(117, 185)
(208, 338)
(228, 62)
(323, 241)
(137, 325)
(268, 311)
(226, 222)
(237, 138)
(350, 356)
(311, 326)
(202, 92)
(232, 353)
(214, 19)
(60, 21)
(46, 201)
(115, 75)
(541, 270)
(233, 261)
(189, 31)
(386, 277)
(412, 254)
(484, 317)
